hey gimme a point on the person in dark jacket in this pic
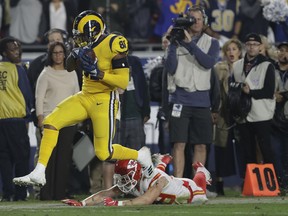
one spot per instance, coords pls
(15, 108)
(135, 106)
(258, 75)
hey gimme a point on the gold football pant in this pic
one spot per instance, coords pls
(102, 109)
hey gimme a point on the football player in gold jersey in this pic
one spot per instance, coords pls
(103, 60)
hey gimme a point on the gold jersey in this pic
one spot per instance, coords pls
(105, 51)
(98, 101)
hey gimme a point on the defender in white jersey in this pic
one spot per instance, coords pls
(161, 188)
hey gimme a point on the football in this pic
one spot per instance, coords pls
(73, 61)
(90, 53)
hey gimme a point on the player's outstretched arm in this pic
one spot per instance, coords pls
(95, 199)
(147, 198)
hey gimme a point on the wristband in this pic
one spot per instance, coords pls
(120, 203)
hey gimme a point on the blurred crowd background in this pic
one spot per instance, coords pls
(141, 21)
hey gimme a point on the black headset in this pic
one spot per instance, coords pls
(64, 34)
(201, 9)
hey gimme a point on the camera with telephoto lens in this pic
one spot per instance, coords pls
(180, 24)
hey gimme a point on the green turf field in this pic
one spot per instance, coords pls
(229, 205)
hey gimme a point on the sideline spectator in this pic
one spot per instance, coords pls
(225, 131)
(223, 18)
(258, 76)
(279, 138)
(267, 49)
(38, 64)
(25, 20)
(270, 52)
(57, 14)
(5, 17)
(135, 106)
(15, 105)
(159, 93)
(55, 84)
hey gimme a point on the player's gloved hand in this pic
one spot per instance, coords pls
(72, 202)
(86, 55)
(87, 59)
(93, 75)
(88, 63)
(108, 201)
(75, 52)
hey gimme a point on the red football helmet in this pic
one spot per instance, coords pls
(127, 174)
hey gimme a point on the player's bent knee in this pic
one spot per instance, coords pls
(51, 127)
(103, 155)
(49, 123)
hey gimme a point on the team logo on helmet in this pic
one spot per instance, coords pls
(127, 174)
(88, 26)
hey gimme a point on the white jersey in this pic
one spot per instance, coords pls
(178, 190)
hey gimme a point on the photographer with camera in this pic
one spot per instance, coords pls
(191, 56)
(258, 75)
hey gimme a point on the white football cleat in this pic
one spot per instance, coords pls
(144, 158)
(211, 194)
(199, 199)
(199, 167)
(35, 178)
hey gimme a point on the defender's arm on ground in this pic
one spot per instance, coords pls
(97, 198)
(150, 195)
(94, 199)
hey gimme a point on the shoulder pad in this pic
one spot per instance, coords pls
(119, 44)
